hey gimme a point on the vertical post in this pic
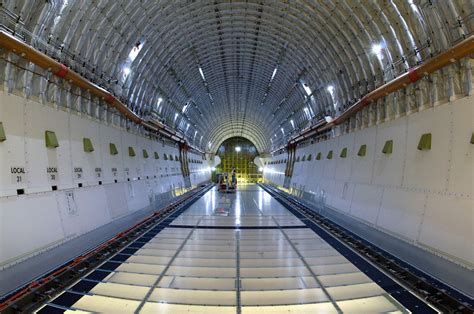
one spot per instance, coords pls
(183, 154)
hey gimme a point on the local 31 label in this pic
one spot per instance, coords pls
(52, 173)
(18, 174)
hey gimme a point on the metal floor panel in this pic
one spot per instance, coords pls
(205, 263)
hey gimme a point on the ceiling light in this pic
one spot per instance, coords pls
(307, 89)
(274, 73)
(238, 149)
(135, 51)
(376, 49)
(202, 74)
(126, 71)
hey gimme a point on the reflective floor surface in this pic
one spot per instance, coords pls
(236, 253)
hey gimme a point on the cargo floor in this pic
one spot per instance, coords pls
(228, 253)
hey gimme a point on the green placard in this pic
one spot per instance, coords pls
(165, 157)
(329, 156)
(298, 159)
(3, 136)
(318, 156)
(50, 139)
(145, 154)
(113, 149)
(157, 156)
(425, 142)
(309, 157)
(343, 153)
(472, 138)
(87, 143)
(304, 158)
(388, 147)
(131, 151)
(362, 150)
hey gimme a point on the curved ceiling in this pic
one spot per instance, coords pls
(257, 69)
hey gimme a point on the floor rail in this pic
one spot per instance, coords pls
(39, 291)
(435, 294)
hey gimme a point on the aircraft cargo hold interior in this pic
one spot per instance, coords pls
(236, 156)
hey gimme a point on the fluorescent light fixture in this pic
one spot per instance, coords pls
(330, 89)
(292, 123)
(238, 149)
(377, 49)
(260, 169)
(135, 51)
(328, 119)
(274, 73)
(126, 71)
(282, 131)
(213, 168)
(184, 108)
(175, 116)
(307, 89)
(306, 111)
(202, 74)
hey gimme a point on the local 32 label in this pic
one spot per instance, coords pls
(78, 172)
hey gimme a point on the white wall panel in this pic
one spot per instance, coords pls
(401, 212)
(138, 195)
(448, 227)
(342, 195)
(366, 202)
(43, 218)
(131, 166)
(363, 166)
(388, 168)
(424, 197)
(12, 151)
(113, 167)
(329, 170)
(89, 162)
(26, 228)
(87, 210)
(425, 169)
(317, 165)
(461, 168)
(38, 119)
(343, 165)
(117, 199)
